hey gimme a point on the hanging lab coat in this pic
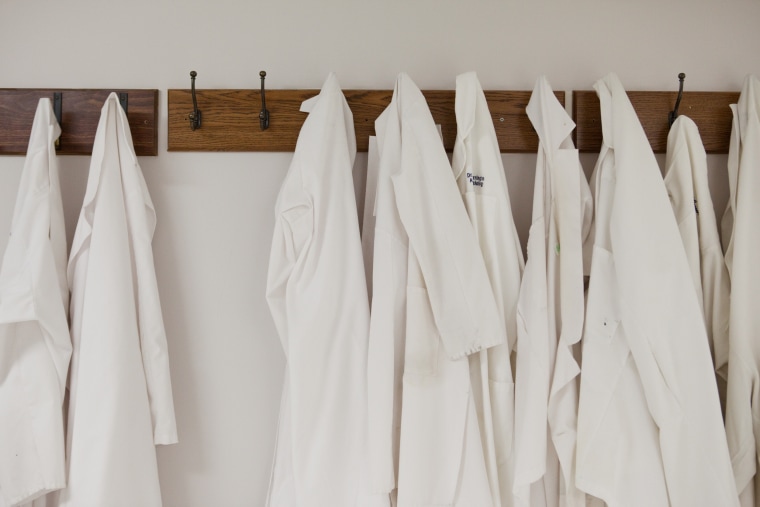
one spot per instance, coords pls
(318, 299)
(687, 186)
(427, 267)
(550, 313)
(120, 391)
(649, 412)
(740, 230)
(479, 172)
(571, 216)
(35, 345)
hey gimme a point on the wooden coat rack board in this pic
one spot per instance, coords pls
(231, 118)
(80, 117)
(709, 110)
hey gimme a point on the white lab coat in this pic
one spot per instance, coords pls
(432, 305)
(35, 345)
(121, 402)
(740, 231)
(479, 172)
(318, 299)
(689, 192)
(649, 412)
(550, 313)
(571, 217)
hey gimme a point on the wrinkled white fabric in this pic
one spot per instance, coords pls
(121, 403)
(689, 192)
(742, 236)
(649, 412)
(318, 298)
(550, 313)
(35, 346)
(431, 306)
(479, 172)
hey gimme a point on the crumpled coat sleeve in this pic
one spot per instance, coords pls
(442, 237)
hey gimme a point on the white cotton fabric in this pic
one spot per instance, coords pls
(479, 172)
(550, 313)
(432, 305)
(649, 412)
(121, 403)
(35, 346)
(741, 235)
(687, 185)
(318, 298)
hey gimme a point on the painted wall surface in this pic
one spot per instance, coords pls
(215, 210)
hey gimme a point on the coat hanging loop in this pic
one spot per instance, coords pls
(195, 116)
(264, 114)
(674, 113)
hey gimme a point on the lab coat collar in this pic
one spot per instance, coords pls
(331, 95)
(542, 107)
(468, 91)
(113, 133)
(748, 106)
(604, 90)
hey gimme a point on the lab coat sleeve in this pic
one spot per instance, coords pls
(444, 241)
(292, 231)
(154, 348)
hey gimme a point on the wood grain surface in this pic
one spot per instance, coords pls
(230, 118)
(80, 117)
(709, 110)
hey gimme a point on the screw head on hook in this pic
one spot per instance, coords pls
(193, 74)
(681, 76)
(263, 73)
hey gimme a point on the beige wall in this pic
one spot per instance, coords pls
(215, 210)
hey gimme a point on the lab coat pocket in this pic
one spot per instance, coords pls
(422, 339)
(298, 224)
(433, 424)
(502, 405)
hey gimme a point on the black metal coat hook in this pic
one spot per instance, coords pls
(264, 114)
(58, 112)
(674, 113)
(195, 116)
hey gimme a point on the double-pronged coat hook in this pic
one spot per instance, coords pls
(264, 114)
(195, 115)
(674, 113)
